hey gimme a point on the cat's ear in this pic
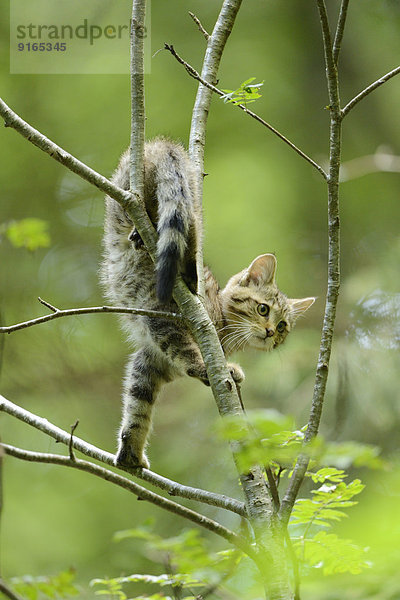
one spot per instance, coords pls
(300, 306)
(261, 271)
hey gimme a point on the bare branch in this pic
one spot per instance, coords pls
(369, 89)
(139, 491)
(340, 30)
(9, 593)
(50, 306)
(333, 267)
(130, 203)
(88, 311)
(193, 73)
(215, 46)
(137, 98)
(71, 441)
(200, 26)
(172, 487)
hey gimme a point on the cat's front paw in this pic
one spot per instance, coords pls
(135, 238)
(236, 372)
(127, 457)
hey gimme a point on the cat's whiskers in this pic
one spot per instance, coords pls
(238, 331)
(238, 334)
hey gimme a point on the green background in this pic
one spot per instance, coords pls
(259, 196)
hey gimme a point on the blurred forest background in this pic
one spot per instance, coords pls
(259, 196)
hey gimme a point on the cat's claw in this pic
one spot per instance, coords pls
(237, 372)
(135, 238)
(125, 457)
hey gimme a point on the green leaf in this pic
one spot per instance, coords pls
(28, 233)
(328, 473)
(247, 92)
(332, 554)
(321, 508)
(36, 588)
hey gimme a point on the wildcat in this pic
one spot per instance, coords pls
(249, 311)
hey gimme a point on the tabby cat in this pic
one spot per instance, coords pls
(249, 311)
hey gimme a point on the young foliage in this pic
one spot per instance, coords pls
(323, 550)
(191, 564)
(333, 554)
(28, 233)
(39, 588)
(327, 501)
(246, 93)
(114, 587)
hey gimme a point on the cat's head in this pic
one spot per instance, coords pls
(256, 313)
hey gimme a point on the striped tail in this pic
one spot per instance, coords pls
(176, 246)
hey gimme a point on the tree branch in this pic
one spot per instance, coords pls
(172, 487)
(193, 73)
(137, 98)
(200, 26)
(368, 90)
(88, 311)
(340, 30)
(139, 491)
(215, 46)
(333, 266)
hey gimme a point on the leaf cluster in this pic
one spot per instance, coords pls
(190, 563)
(39, 588)
(314, 546)
(246, 93)
(272, 439)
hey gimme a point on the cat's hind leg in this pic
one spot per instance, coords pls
(142, 383)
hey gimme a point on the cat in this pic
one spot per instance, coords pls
(249, 311)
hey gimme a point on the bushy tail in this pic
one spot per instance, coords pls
(176, 246)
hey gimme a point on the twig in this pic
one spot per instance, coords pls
(9, 592)
(295, 564)
(87, 311)
(141, 492)
(50, 306)
(333, 268)
(273, 488)
(71, 441)
(340, 30)
(368, 90)
(174, 488)
(200, 26)
(193, 73)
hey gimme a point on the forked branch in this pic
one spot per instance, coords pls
(58, 313)
(193, 73)
(138, 490)
(369, 89)
(333, 264)
(172, 487)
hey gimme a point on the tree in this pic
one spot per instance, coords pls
(267, 516)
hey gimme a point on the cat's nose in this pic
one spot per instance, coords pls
(269, 332)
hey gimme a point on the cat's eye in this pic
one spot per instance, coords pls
(263, 310)
(281, 326)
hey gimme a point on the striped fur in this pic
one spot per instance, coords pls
(165, 349)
